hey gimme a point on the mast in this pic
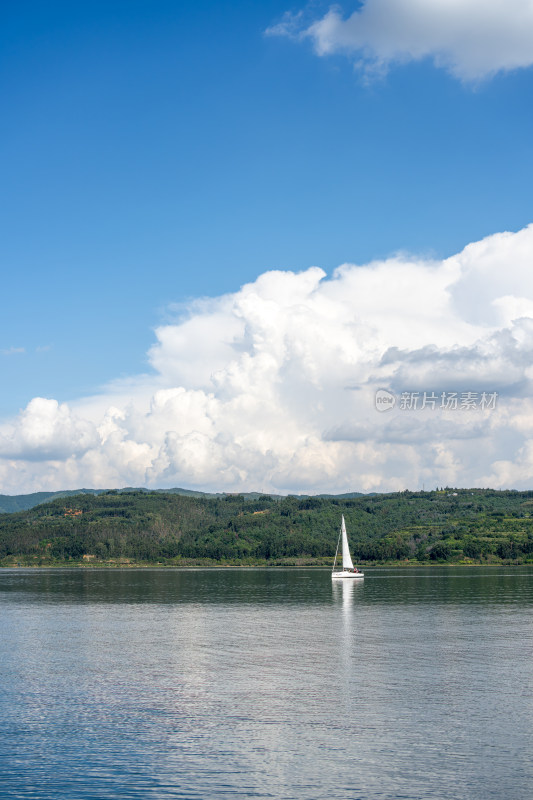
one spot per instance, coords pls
(337, 550)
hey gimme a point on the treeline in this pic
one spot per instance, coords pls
(474, 525)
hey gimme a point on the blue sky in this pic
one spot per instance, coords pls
(156, 152)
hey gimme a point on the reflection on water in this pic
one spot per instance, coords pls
(344, 591)
(266, 683)
(255, 586)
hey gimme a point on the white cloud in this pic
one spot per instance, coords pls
(46, 431)
(272, 387)
(472, 39)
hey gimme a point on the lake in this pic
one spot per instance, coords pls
(266, 683)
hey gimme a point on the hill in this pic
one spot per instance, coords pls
(171, 528)
(9, 504)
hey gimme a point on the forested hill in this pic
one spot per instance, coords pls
(9, 504)
(156, 527)
(22, 502)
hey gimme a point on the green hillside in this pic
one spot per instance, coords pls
(159, 527)
(9, 504)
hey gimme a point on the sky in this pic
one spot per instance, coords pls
(228, 227)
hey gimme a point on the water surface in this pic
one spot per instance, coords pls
(266, 683)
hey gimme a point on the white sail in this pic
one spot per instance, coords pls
(346, 557)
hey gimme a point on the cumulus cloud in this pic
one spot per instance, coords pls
(273, 387)
(46, 430)
(472, 39)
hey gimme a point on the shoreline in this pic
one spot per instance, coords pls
(125, 565)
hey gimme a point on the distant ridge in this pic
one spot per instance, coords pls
(10, 504)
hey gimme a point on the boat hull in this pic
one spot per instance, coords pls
(350, 576)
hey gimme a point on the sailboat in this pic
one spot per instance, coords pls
(348, 570)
